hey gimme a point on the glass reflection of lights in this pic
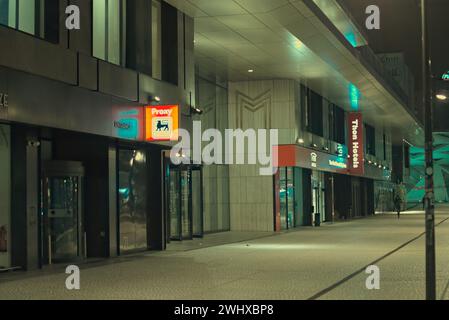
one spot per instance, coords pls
(350, 36)
(139, 157)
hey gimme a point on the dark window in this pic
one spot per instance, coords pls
(51, 24)
(138, 35)
(370, 134)
(385, 146)
(338, 124)
(315, 113)
(169, 32)
(407, 156)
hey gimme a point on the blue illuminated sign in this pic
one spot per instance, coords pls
(445, 76)
(354, 97)
(350, 36)
(128, 123)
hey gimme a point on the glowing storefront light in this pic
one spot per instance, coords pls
(161, 123)
(350, 36)
(354, 97)
(445, 76)
(128, 123)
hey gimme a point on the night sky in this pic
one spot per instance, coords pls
(401, 31)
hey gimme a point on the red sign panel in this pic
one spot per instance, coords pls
(355, 144)
(297, 156)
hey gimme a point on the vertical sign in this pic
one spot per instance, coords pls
(355, 144)
(161, 123)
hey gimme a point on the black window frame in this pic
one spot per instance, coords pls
(50, 21)
(370, 140)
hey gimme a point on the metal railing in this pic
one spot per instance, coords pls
(367, 55)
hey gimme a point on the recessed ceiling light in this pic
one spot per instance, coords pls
(441, 97)
(250, 70)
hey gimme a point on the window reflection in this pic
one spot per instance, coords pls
(132, 200)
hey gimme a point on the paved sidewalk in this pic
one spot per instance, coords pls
(310, 262)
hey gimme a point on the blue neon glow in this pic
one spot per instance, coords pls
(350, 36)
(354, 97)
(132, 112)
(445, 76)
(130, 129)
(124, 192)
(342, 152)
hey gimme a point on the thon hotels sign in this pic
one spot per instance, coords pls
(355, 144)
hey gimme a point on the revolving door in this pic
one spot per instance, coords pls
(62, 229)
(184, 209)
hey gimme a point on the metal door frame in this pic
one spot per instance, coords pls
(61, 169)
(180, 168)
(200, 169)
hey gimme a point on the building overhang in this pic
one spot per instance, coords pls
(308, 158)
(294, 39)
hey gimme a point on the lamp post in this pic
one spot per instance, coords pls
(429, 196)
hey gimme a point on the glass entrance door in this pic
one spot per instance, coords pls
(197, 201)
(174, 205)
(186, 211)
(132, 200)
(287, 198)
(62, 228)
(318, 196)
(184, 202)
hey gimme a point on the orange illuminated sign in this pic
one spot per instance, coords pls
(161, 123)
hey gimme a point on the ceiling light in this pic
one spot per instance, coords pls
(441, 97)
(250, 70)
(154, 99)
(196, 110)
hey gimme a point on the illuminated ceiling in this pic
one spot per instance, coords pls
(294, 39)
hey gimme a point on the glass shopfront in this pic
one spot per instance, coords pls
(318, 195)
(62, 233)
(132, 200)
(287, 198)
(5, 196)
(184, 210)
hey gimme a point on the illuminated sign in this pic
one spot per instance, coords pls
(355, 143)
(354, 97)
(161, 123)
(445, 76)
(128, 123)
(3, 100)
(297, 156)
(338, 164)
(313, 158)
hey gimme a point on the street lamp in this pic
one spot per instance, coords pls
(429, 195)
